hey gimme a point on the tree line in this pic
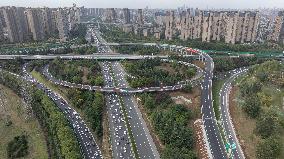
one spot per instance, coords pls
(115, 34)
(226, 63)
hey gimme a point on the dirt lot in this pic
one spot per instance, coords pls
(244, 126)
(199, 64)
(85, 74)
(167, 67)
(194, 97)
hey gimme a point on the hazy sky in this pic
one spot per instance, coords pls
(151, 3)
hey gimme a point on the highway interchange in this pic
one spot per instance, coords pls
(122, 108)
(96, 56)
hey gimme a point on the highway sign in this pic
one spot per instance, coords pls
(227, 147)
(233, 146)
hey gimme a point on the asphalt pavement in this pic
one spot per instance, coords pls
(216, 145)
(235, 150)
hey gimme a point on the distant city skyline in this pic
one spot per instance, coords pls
(167, 4)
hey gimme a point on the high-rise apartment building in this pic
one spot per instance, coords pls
(36, 23)
(2, 39)
(126, 15)
(73, 16)
(191, 24)
(19, 24)
(110, 15)
(47, 21)
(216, 29)
(231, 20)
(54, 25)
(11, 24)
(140, 18)
(207, 20)
(277, 34)
(186, 25)
(23, 28)
(247, 27)
(227, 26)
(62, 24)
(170, 25)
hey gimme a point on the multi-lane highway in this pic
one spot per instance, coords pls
(122, 145)
(87, 142)
(227, 124)
(144, 142)
(120, 139)
(146, 149)
(216, 145)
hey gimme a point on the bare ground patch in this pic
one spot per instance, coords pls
(194, 97)
(106, 146)
(199, 64)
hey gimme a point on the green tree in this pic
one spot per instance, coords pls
(269, 148)
(190, 72)
(268, 123)
(18, 147)
(187, 88)
(171, 152)
(149, 102)
(99, 81)
(252, 106)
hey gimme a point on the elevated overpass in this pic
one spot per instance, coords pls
(96, 56)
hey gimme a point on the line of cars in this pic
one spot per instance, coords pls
(88, 145)
(120, 139)
(144, 142)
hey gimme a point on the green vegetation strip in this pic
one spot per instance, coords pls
(260, 91)
(217, 85)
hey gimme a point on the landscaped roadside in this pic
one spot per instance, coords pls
(256, 108)
(90, 111)
(14, 122)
